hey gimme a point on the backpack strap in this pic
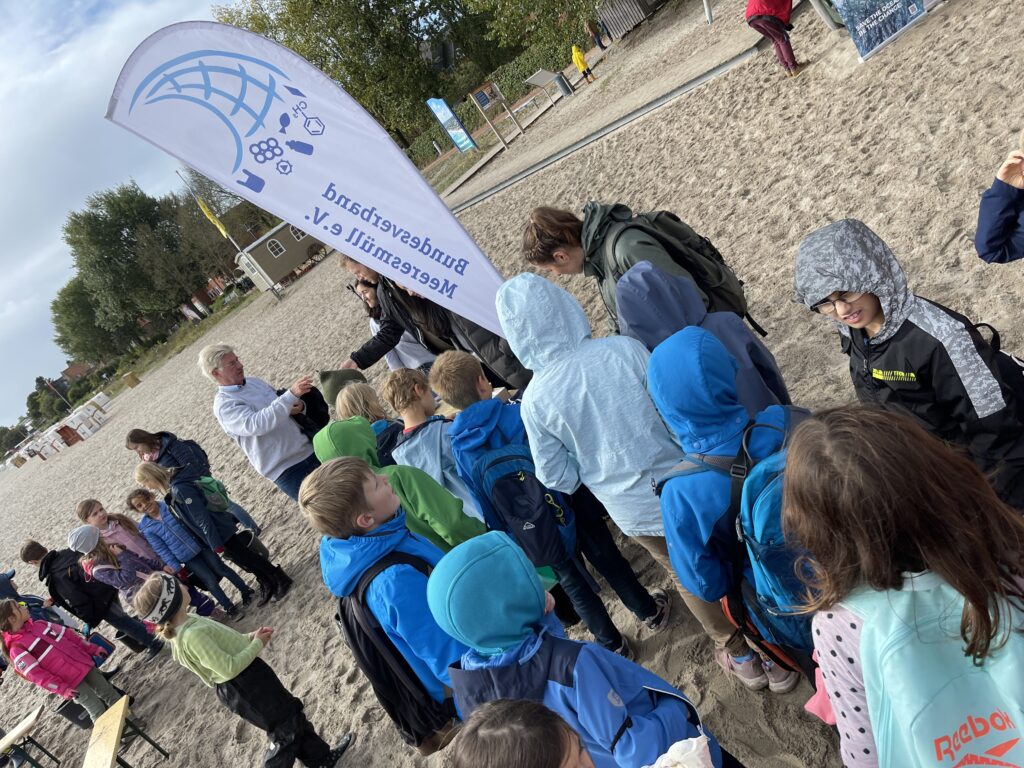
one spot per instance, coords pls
(390, 559)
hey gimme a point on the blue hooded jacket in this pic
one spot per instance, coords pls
(692, 379)
(397, 597)
(1000, 234)
(653, 305)
(484, 426)
(587, 412)
(486, 594)
(169, 537)
(429, 447)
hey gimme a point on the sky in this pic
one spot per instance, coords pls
(60, 59)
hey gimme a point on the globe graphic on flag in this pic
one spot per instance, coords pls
(239, 90)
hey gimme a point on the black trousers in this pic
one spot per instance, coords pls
(266, 573)
(258, 697)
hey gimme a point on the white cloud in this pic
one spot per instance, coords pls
(60, 61)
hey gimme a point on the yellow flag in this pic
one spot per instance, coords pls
(211, 216)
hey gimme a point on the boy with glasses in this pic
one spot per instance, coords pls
(911, 353)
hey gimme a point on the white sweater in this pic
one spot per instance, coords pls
(260, 421)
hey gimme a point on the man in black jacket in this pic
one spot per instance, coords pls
(436, 328)
(910, 353)
(91, 601)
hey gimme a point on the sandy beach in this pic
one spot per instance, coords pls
(906, 142)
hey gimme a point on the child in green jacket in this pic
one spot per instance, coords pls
(229, 661)
(430, 510)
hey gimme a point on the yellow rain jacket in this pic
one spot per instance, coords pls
(579, 59)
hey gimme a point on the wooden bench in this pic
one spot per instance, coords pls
(21, 737)
(105, 742)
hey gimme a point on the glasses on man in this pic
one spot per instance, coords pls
(828, 306)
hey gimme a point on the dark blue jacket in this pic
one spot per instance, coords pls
(1000, 235)
(692, 381)
(188, 503)
(653, 304)
(169, 538)
(185, 456)
(483, 427)
(625, 716)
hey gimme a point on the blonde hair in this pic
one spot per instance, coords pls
(211, 356)
(359, 399)
(454, 376)
(87, 506)
(332, 497)
(146, 599)
(149, 475)
(399, 388)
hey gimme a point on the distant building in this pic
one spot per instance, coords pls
(281, 252)
(76, 371)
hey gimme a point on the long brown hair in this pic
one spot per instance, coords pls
(548, 230)
(87, 506)
(872, 495)
(142, 437)
(102, 555)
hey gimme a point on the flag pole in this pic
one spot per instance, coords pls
(222, 228)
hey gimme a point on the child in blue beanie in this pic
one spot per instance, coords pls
(486, 594)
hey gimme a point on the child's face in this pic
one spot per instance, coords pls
(146, 505)
(97, 518)
(862, 311)
(382, 503)
(19, 618)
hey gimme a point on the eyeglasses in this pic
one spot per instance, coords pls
(828, 306)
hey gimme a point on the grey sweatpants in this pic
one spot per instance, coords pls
(96, 694)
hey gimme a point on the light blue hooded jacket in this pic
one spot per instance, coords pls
(487, 595)
(692, 379)
(397, 597)
(587, 413)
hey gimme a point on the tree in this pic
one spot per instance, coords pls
(370, 47)
(536, 21)
(78, 333)
(174, 271)
(103, 241)
(44, 405)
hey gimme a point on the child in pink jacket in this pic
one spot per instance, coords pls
(56, 659)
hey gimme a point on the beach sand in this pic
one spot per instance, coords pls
(753, 161)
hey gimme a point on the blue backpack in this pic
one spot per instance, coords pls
(513, 500)
(766, 589)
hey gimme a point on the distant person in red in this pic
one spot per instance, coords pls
(771, 19)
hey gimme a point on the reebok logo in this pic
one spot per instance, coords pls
(975, 728)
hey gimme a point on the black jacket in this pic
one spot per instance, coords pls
(63, 576)
(438, 330)
(926, 359)
(185, 456)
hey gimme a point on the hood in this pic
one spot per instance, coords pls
(597, 218)
(652, 305)
(692, 381)
(166, 440)
(343, 561)
(541, 321)
(486, 425)
(348, 437)
(6, 590)
(847, 256)
(486, 594)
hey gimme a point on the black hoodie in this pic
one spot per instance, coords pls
(61, 572)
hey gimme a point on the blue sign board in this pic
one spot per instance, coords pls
(451, 123)
(873, 23)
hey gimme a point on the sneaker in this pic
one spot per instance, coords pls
(659, 621)
(795, 71)
(780, 680)
(624, 650)
(266, 595)
(154, 649)
(749, 672)
(335, 754)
